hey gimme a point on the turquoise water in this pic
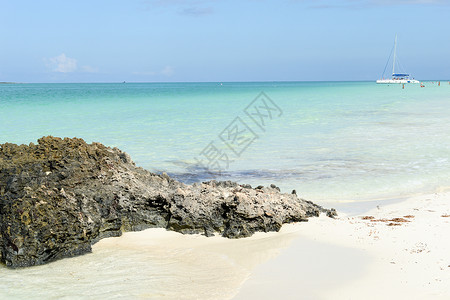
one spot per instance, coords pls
(334, 141)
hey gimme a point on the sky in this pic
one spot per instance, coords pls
(220, 40)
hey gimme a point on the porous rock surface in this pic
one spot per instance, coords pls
(59, 197)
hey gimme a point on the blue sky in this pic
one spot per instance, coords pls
(212, 40)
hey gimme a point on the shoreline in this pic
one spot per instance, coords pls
(353, 207)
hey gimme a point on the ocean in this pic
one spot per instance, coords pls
(333, 142)
(330, 141)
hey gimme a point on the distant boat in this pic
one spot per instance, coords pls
(396, 77)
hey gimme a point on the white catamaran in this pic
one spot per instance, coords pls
(396, 77)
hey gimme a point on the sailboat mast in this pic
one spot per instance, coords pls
(395, 54)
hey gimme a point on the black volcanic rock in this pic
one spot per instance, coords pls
(59, 197)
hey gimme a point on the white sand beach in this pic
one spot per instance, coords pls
(354, 257)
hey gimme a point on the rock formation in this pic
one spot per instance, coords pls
(60, 196)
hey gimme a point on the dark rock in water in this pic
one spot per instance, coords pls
(59, 197)
(275, 187)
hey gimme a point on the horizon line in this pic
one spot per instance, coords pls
(244, 81)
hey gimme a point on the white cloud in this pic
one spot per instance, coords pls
(62, 64)
(167, 71)
(197, 11)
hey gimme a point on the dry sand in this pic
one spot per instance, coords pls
(397, 251)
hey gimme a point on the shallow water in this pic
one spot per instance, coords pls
(334, 141)
(151, 264)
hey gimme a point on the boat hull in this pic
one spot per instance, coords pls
(396, 81)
